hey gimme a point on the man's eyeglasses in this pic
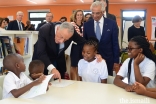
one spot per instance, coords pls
(130, 49)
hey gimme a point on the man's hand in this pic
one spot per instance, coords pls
(99, 58)
(56, 74)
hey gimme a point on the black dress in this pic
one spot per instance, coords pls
(76, 52)
(133, 31)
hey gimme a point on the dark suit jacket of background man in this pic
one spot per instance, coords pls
(46, 48)
(108, 45)
(13, 25)
(40, 25)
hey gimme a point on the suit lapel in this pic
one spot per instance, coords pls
(104, 28)
(92, 27)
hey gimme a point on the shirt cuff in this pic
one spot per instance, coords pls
(50, 68)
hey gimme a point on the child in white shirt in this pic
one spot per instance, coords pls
(139, 67)
(89, 69)
(16, 82)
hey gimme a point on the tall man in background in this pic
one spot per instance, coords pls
(106, 31)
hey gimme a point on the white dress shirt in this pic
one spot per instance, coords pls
(101, 22)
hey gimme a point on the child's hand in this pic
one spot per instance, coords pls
(39, 80)
(139, 59)
(129, 88)
(35, 76)
(139, 89)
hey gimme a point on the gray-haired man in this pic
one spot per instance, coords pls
(53, 40)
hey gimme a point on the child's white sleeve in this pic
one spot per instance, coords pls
(124, 68)
(149, 70)
(79, 68)
(103, 71)
(9, 84)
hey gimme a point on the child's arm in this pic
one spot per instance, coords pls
(139, 78)
(18, 92)
(140, 89)
(118, 82)
(151, 89)
(103, 80)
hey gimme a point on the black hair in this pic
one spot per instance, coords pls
(144, 44)
(87, 14)
(136, 18)
(33, 64)
(92, 41)
(7, 20)
(63, 18)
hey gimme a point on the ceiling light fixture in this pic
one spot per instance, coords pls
(82, 1)
(32, 1)
(135, 0)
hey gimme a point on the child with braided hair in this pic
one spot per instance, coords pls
(89, 70)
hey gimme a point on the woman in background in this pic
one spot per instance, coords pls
(78, 20)
(136, 29)
(2, 24)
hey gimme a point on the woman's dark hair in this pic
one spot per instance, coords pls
(136, 18)
(144, 44)
(87, 14)
(63, 18)
(92, 41)
(7, 20)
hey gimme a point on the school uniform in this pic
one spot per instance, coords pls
(11, 82)
(147, 69)
(92, 71)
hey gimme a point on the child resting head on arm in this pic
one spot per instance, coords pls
(16, 82)
(36, 69)
(139, 67)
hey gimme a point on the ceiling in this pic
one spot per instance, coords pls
(63, 2)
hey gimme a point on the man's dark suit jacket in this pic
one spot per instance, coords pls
(108, 45)
(46, 48)
(40, 25)
(13, 25)
(110, 16)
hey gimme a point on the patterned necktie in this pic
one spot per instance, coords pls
(20, 26)
(98, 31)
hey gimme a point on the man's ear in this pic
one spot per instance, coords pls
(58, 27)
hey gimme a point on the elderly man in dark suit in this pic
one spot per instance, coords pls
(106, 14)
(106, 31)
(53, 40)
(17, 24)
(49, 17)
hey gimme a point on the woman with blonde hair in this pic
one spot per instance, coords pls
(76, 54)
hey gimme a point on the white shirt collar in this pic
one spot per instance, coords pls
(93, 62)
(101, 20)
